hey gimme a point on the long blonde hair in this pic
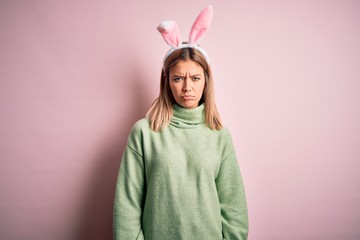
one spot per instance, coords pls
(161, 111)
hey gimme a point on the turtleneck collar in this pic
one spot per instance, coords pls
(188, 118)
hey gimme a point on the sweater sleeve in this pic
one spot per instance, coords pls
(129, 196)
(232, 196)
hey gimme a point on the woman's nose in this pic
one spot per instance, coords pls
(187, 85)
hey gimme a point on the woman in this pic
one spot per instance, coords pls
(179, 177)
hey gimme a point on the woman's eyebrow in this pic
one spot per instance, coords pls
(182, 75)
(178, 75)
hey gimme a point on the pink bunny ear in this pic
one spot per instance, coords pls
(201, 25)
(169, 30)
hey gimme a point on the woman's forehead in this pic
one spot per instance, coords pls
(187, 66)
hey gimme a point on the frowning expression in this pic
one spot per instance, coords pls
(187, 82)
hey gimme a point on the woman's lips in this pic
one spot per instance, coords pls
(188, 97)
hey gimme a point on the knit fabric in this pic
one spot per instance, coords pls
(182, 183)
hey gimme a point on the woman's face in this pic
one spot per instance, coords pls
(187, 82)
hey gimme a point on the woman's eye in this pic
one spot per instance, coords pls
(196, 79)
(177, 79)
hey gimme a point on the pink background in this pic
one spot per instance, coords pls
(75, 76)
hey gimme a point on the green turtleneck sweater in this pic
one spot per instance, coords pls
(181, 183)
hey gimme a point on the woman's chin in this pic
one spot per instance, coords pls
(189, 104)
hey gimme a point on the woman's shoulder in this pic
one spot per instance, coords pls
(224, 137)
(223, 132)
(137, 132)
(141, 125)
(226, 141)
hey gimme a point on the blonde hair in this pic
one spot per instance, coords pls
(161, 111)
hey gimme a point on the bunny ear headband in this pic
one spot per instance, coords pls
(169, 30)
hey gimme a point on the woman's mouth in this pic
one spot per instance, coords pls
(188, 97)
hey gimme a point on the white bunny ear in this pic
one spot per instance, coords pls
(169, 30)
(201, 25)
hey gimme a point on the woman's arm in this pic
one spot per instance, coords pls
(232, 198)
(129, 197)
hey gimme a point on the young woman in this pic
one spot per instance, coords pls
(179, 176)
